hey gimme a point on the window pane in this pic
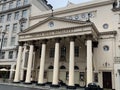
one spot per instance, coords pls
(63, 52)
(4, 42)
(10, 55)
(25, 2)
(12, 41)
(24, 13)
(2, 18)
(4, 7)
(16, 16)
(9, 17)
(10, 5)
(76, 51)
(52, 51)
(18, 3)
(2, 55)
(15, 27)
(7, 27)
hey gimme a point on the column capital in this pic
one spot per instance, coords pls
(57, 40)
(72, 38)
(89, 37)
(44, 41)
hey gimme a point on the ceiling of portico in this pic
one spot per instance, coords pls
(53, 26)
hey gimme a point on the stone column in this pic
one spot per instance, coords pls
(29, 66)
(23, 62)
(71, 63)
(17, 72)
(89, 62)
(56, 63)
(42, 64)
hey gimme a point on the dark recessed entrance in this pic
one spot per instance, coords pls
(107, 80)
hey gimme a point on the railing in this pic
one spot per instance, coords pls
(117, 60)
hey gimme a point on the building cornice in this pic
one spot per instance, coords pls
(108, 33)
(15, 9)
(74, 8)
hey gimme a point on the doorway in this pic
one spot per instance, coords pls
(107, 80)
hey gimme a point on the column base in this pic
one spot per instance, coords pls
(16, 82)
(55, 86)
(27, 83)
(71, 87)
(40, 84)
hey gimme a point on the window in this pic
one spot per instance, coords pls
(7, 27)
(25, 2)
(2, 55)
(18, 3)
(10, 5)
(14, 27)
(12, 41)
(4, 7)
(10, 56)
(2, 19)
(16, 16)
(52, 51)
(76, 51)
(63, 52)
(4, 42)
(9, 17)
(24, 13)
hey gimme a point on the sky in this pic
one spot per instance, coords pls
(63, 3)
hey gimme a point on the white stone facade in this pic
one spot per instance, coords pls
(68, 47)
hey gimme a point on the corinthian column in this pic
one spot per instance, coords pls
(17, 71)
(42, 64)
(89, 62)
(56, 64)
(29, 66)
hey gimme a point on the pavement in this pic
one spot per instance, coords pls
(47, 87)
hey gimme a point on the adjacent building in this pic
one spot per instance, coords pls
(11, 13)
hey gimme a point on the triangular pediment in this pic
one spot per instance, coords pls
(53, 23)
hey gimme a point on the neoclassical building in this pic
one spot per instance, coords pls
(77, 44)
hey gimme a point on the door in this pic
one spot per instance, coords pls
(107, 80)
(62, 76)
(50, 76)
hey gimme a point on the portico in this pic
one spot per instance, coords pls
(57, 46)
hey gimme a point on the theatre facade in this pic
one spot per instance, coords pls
(63, 47)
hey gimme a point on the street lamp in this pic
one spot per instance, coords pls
(3, 34)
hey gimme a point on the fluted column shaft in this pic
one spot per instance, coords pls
(17, 72)
(29, 66)
(42, 65)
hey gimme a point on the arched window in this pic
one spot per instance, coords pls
(50, 67)
(62, 67)
(76, 67)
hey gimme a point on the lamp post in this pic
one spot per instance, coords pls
(3, 34)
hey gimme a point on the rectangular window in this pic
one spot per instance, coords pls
(18, 3)
(2, 55)
(9, 17)
(4, 42)
(10, 5)
(63, 52)
(1, 27)
(10, 56)
(12, 41)
(25, 2)
(24, 13)
(2, 18)
(16, 16)
(14, 28)
(4, 7)
(23, 25)
(7, 27)
(52, 51)
(76, 51)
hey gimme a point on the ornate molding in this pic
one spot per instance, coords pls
(108, 33)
